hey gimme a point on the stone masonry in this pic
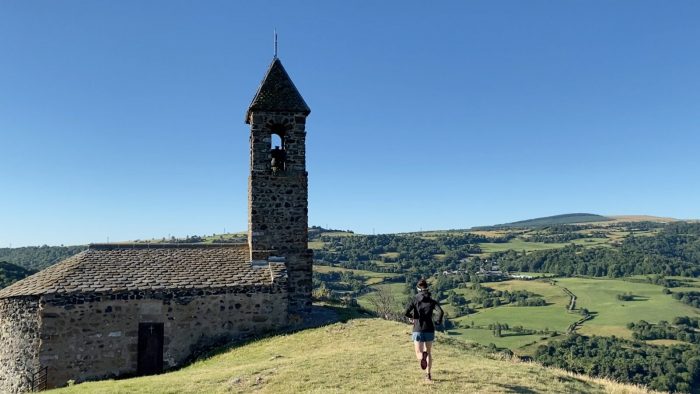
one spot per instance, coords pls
(96, 336)
(19, 343)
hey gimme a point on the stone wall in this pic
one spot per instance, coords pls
(92, 337)
(300, 284)
(278, 201)
(278, 213)
(19, 343)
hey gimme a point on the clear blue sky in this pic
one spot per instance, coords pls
(124, 119)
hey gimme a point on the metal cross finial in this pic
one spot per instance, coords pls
(275, 43)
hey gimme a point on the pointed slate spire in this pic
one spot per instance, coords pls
(277, 93)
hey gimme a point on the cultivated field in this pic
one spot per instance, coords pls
(599, 296)
(371, 277)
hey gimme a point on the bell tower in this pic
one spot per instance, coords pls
(278, 182)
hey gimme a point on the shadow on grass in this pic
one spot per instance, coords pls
(517, 334)
(639, 298)
(591, 316)
(320, 315)
(512, 388)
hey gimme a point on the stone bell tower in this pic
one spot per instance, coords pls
(278, 183)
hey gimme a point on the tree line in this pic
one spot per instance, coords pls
(563, 233)
(407, 253)
(663, 368)
(675, 250)
(683, 328)
(11, 273)
(691, 298)
(38, 257)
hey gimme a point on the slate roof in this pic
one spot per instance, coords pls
(106, 268)
(277, 93)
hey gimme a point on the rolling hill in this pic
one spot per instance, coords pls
(569, 218)
(362, 355)
(38, 257)
(11, 273)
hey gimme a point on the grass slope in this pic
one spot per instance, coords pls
(363, 355)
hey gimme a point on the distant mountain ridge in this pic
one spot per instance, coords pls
(578, 218)
(569, 218)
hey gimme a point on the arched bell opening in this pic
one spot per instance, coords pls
(278, 153)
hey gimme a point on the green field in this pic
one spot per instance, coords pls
(229, 237)
(485, 336)
(599, 296)
(371, 277)
(316, 245)
(518, 245)
(553, 316)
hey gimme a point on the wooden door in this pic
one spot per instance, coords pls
(150, 354)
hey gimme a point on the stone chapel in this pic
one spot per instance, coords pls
(136, 309)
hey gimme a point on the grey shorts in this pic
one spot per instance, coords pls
(423, 336)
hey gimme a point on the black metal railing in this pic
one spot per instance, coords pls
(39, 379)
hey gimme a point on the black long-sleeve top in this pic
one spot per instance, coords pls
(421, 310)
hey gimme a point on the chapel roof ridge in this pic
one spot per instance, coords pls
(163, 245)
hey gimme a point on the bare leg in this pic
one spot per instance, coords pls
(428, 348)
(419, 349)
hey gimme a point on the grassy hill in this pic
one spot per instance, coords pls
(38, 257)
(362, 355)
(11, 273)
(569, 218)
(641, 218)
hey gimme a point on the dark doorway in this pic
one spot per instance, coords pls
(150, 357)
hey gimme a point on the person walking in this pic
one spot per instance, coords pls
(420, 312)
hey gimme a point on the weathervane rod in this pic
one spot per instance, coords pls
(275, 42)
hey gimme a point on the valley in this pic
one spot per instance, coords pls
(531, 289)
